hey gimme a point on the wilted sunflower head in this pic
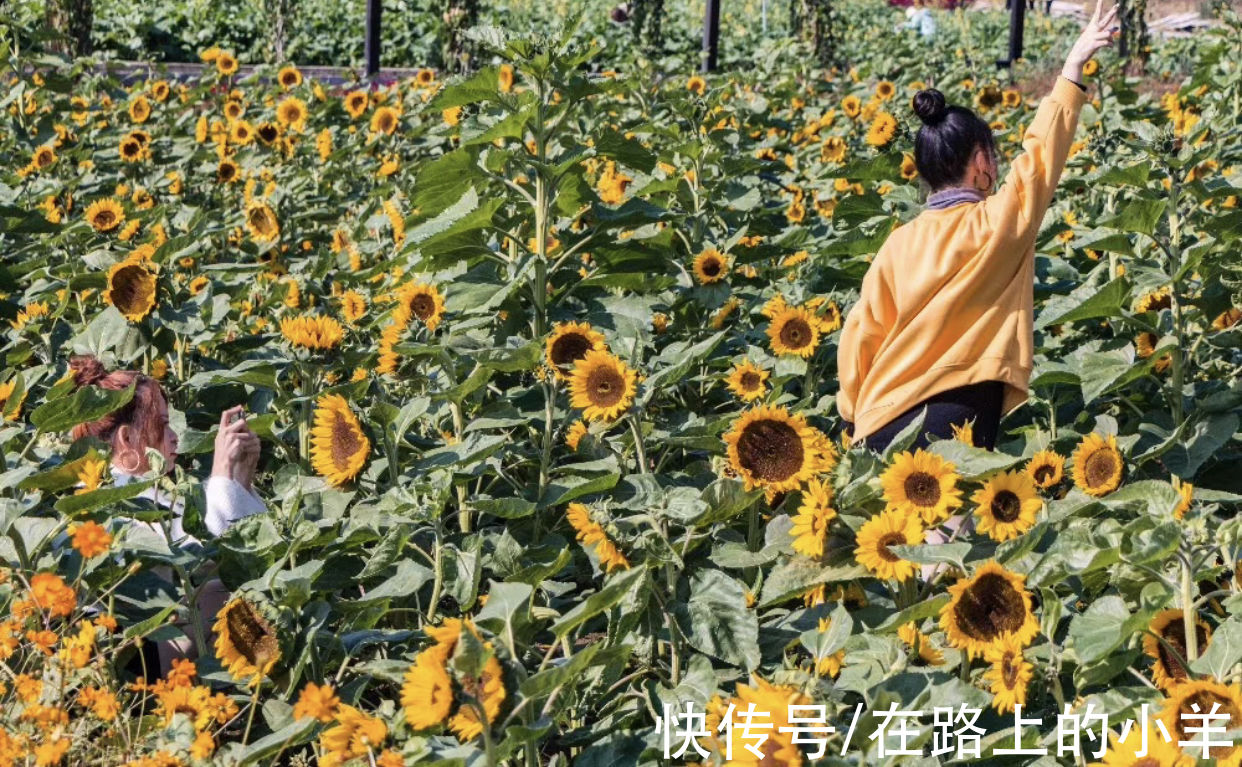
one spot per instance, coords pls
(131, 289)
(770, 448)
(570, 342)
(339, 448)
(602, 386)
(794, 330)
(1046, 468)
(922, 483)
(1200, 697)
(710, 266)
(986, 607)
(246, 640)
(1097, 465)
(1165, 644)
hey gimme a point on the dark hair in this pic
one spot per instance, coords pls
(948, 139)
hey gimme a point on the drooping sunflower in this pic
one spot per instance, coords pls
(353, 306)
(504, 78)
(1009, 674)
(312, 332)
(385, 120)
(246, 640)
(261, 222)
(988, 606)
(356, 103)
(602, 386)
(696, 85)
(570, 342)
(427, 692)
(747, 381)
(891, 527)
(105, 215)
(710, 266)
(488, 689)
(1167, 669)
(1154, 301)
(1200, 697)
(810, 524)
(882, 129)
(291, 112)
(289, 77)
(921, 643)
(339, 448)
(425, 302)
(922, 483)
(770, 448)
(1046, 467)
(1097, 465)
(1185, 497)
(909, 170)
(794, 330)
(1006, 505)
(1142, 748)
(131, 289)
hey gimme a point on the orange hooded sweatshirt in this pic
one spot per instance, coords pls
(948, 300)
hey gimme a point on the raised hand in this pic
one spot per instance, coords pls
(237, 449)
(1095, 36)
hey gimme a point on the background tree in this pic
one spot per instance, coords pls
(816, 22)
(71, 20)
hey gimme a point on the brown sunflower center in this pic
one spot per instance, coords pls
(1190, 716)
(1044, 473)
(922, 489)
(261, 220)
(771, 450)
(345, 442)
(711, 266)
(267, 133)
(227, 170)
(1100, 467)
(386, 122)
(252, 636)
(105, 218)
(890, 539)
(1006, 506)
(423, 306)
(1010, 666)
(1174, 633)
(796, 333)
(130, 148)
(750, 381)
(569, 348)
(129, 288)
(990, 607)
(605, 386)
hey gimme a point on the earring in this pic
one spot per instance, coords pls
(128, 466)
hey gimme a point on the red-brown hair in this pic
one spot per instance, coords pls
(140, 413)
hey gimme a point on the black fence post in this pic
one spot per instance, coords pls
(1017, 21)
(711, 35)
(371, 48)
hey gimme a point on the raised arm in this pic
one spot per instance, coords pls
(230, 496)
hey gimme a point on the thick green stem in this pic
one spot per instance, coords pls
(1188, 613)
(639, 450)
(438, 583)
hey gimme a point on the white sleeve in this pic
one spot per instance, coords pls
(227, 502)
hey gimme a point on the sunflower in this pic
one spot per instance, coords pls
(427, 693)
(778, 701)
(309, 332)
(424, 77)
(1154, 749)
(105, 215)
(226, 63)
(1046, 467)
(570, 342)
(696, 84)
(139, 110)
(131, 289)
(1006, 505)
(291, 112)
(922, 483)
(884, 90)
(1011, 98)
(1009, 674)
(882, 129)
(794, 330)
(602, 386)
(504, 78)
(356, 735)
(851, 106)
(833, 149)
(810, 524)
(261, 222)
(1167, 669)
(246, 642)
(591, 533)
(424, 302)
(268, 132)
(909, 171)
(576, 432)
(710, 266)
(43, 157)
(289, 77)
(488, 689)
(241, 132)
(227, 171)
(1201, 697)
(1185, 497)
(198, 285)
(339, 449)
(385, 120)
(1154, 301)
(1097, 465)
(1227, 319)
(891, 527)
(233, 110)
(989, 97)
(769, 448)
(747, 381)
(353, 306)
(921, 643)
(990, 605)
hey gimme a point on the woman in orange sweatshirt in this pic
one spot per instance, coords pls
(943, 323)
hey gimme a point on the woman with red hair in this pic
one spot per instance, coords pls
(142, 425)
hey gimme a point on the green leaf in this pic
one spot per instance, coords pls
(1087, 302)
(1099, 630)
(1138, 215)
(84, 503)
(264, 749)
(89, 403)
(615, 588)
(1223, 651)
(627, 151)
(716, 620)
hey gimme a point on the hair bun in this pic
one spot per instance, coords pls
(929, 105)
(86, 370)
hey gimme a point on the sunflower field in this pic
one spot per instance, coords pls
(543, 361)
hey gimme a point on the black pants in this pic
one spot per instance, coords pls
(979, 402)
